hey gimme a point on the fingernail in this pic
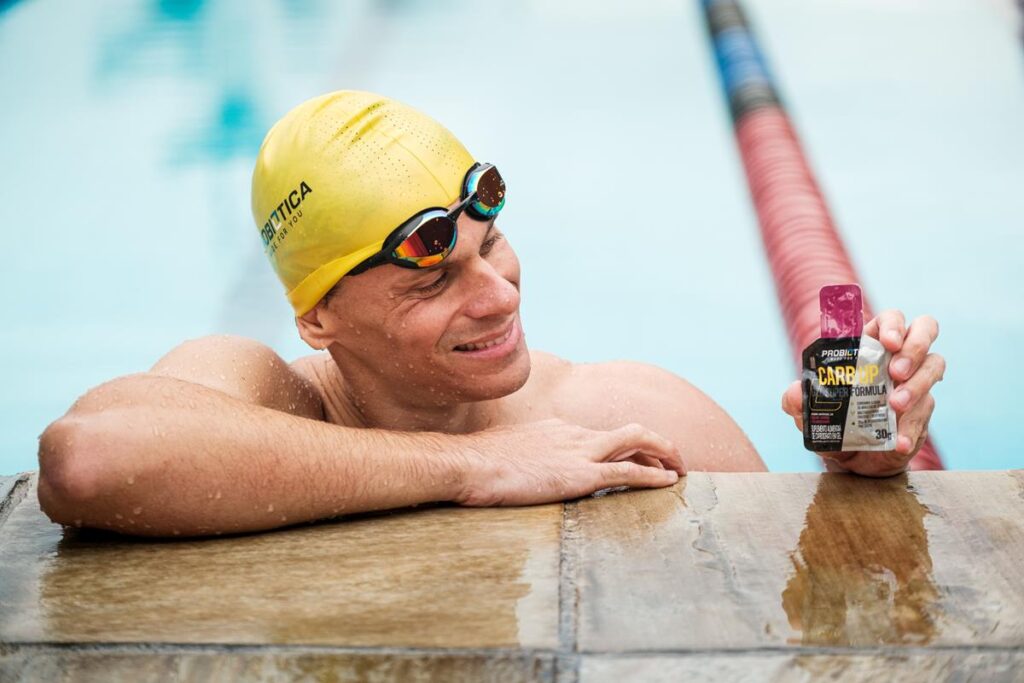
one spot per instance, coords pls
(900, 397)
(671, 475)
(894, 335)
(903, 444)
(901, 366)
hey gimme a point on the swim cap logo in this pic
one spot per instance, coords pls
(286, 214)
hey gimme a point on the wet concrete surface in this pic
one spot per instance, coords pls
(721, 577)
(783, 560)
(439, 577)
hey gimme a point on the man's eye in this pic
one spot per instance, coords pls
(435, 285)
(486, 247)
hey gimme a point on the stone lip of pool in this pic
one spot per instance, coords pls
(916, 573)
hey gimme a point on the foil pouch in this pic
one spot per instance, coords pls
(845, 380)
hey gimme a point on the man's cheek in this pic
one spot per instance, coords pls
(425, 331)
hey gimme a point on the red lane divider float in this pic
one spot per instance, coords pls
(802, 244)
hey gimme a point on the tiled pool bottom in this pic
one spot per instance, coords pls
(720, 577)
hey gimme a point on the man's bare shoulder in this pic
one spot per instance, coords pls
(611, 394)
(606, 395)
(324, 375)
(312, 367)
(243, 368)
(548, 370)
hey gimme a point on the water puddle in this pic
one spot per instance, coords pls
(862, 566)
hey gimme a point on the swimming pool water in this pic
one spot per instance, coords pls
(129, 131)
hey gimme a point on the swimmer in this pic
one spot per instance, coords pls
(388, 239)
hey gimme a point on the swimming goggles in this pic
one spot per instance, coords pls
(428, 237)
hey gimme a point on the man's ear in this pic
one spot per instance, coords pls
(316, 326)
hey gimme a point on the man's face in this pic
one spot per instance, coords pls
(447, 333)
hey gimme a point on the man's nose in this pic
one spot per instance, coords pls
(490, 293)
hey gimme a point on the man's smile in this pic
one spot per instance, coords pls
(495, 345)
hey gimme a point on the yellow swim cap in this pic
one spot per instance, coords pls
(337, 174)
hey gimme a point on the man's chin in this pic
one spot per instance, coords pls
(483, 386)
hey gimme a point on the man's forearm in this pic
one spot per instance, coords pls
(169, 457)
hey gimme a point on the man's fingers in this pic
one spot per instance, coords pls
(628, 439)
(919, 339)
(626, 473)
(793, 404)
(646, 460)
(793, 400)
(888, 327)
(907, 395)
(874, 463)
(838, 457)
(913, 424)
(912, 430)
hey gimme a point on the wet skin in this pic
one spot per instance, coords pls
(423, 389)
(395, 339)
(392, 336)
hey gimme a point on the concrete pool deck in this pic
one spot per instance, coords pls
(720, 577)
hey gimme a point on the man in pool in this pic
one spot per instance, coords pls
(383, 229)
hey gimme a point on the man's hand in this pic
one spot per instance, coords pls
(914, 371)
(553, 460)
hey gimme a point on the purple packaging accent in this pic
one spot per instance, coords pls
(841, 314)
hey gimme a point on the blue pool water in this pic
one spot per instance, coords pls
(129, 131)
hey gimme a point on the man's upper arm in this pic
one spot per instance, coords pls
(245, 369)
(616, 393)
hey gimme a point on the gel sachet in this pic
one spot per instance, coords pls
(846, 383)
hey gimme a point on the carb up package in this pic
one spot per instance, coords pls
(845, 379)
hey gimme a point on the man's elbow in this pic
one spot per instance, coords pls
(69, 473)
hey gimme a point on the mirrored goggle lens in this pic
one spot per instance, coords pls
(490, 191)
(429, 244)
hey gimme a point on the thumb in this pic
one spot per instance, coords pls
(793, 400)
